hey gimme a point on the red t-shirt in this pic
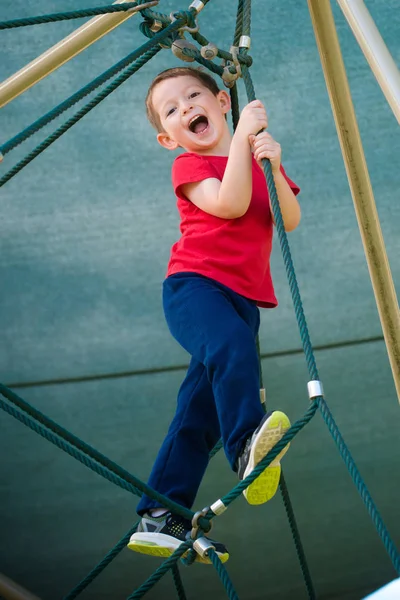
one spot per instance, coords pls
(235, 252)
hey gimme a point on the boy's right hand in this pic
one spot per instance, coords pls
(253, 119)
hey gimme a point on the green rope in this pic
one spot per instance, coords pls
(161, 571)
(297, 539)
(153, 49)
(234, 106)
(239, 23)
(79, 95)
(76, 14)
(85, 454)
(223, 575)
(113, 553)
(310, 359)
(178, 582)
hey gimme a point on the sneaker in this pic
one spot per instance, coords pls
(161, 536)
(272, 427)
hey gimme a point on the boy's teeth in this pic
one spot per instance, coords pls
(198, 124)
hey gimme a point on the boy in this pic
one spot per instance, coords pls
(218, 275)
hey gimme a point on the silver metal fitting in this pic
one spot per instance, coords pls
(263, 395)
(210, 51)
(218, 507)
(315, 389)
(198, 5)
(245, 42)
(156, 26)
(202, 546)
(195, 522)
(229, 78)
(177, 49)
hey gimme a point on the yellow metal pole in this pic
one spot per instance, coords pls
(73, 44)
(12, 591)
(378, 56)
(357, 173)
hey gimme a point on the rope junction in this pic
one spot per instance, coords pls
(168, 31)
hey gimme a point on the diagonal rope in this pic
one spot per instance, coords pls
(149, 49)
(113, 553)
(77, 14)
(161, 571)
(69, 102)
(309, 354)
(223, 575)
(297, 539)
(88, 456)
(178, 582)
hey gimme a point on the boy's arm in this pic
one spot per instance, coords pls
(290, 208)
(230, 198)
(264, 146)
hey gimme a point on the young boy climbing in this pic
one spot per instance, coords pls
(218, 275)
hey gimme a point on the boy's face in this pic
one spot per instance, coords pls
(190, 115)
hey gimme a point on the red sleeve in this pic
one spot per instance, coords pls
(189, 168)
(293, 185)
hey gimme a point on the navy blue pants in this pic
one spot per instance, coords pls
(220, 394)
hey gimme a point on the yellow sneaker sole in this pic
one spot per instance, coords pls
(264, 487)
(152, 549)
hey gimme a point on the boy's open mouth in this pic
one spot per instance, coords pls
(198, 124)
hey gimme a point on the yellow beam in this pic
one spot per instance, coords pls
(358, 176)
(12, 591)
(67, 48)
(375, 51)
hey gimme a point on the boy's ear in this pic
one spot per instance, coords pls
(166, 142)
(224, 101)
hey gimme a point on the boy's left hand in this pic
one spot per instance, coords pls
(263, 145)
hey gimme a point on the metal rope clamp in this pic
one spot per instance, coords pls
(202, 546)
(178, 47)
(228, 77)
(195, 522)
(209, 52)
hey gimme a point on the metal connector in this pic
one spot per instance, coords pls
(202, 546)
(156, 26)
(245, 42)
(218, 507)
(315, 389)
(195, 522)
(198, 5)
(178, 47)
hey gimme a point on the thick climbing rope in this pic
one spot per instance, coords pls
(236, 63)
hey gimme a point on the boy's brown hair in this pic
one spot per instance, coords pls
(204, 79)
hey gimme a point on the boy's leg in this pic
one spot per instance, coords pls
(194, 431)
(219, 327)
(179, 468)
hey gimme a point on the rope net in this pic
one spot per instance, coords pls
(168, 31)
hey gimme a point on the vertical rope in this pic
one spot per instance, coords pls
(102, 565)
(309, 354)
(235, 112)
(160, 572)
(178, 582)
(239, 23)
(296, 538)
(223, 574)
